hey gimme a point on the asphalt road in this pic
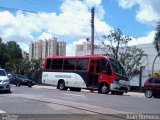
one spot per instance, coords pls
(24, 100)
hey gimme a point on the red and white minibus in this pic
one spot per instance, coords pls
(101, 73)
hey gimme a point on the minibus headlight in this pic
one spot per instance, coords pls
(115, 82)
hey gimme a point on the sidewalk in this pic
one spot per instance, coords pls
(133, 94)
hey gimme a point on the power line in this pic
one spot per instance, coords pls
(38, 4)
(51, 8)
(14, 10)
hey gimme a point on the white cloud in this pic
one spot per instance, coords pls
(127, 3)
(148, 10)
(143, 40)
(72, 22)
(45, 35)
(93, 3)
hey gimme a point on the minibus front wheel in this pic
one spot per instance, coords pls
(104, 88)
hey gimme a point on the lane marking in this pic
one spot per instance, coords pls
(74, 95)
(1, 111)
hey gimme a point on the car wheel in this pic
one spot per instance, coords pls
(18, 84)
(29, 86)
(148, 93)
(104, 89)
(9, 91)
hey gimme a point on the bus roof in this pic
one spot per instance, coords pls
(78, 57)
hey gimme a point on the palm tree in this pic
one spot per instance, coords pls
(157, 38)
(156, 43)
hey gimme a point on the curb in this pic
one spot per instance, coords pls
(133, 94)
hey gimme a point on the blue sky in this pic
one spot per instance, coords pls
(69, 20)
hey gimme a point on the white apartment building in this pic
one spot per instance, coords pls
(85, 46)
(43, 48)
(149, 54)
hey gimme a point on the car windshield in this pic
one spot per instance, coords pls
(22, 76)
(2, 73)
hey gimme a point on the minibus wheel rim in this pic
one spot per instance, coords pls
(104, 89)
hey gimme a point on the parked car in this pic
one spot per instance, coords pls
(19, 80)
(4, 81)
(152, 87)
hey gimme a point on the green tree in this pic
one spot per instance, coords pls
(10, 56)
(116, 45)
(0, 40)
(14, 66)
(3, 54)
(157, 74)
(36, 64)
(13, 50)
(156, 41)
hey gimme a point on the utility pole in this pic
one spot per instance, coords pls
(92, 31)
(140, 78)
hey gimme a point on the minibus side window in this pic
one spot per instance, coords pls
(82, 64)
(69, 64)
(57, 64)
(48, 64)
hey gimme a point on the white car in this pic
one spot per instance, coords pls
(4, 81)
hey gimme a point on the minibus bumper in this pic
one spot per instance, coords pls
(121, 85)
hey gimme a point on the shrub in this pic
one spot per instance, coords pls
(157, 74)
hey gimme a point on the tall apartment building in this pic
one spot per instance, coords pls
(49, 48)
(35, 50)
(61, 48)
(31, 50)
(38, 49)
(43, 48)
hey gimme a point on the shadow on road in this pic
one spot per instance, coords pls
(5, 92)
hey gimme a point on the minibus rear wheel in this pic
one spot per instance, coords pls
(120, 93)
(61, 85)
